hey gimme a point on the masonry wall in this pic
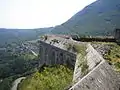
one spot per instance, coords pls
(51, 55)
(102, 77)
(92, 57)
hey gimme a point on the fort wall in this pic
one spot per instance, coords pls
(101, 75)
(93, 58)
(52, 55)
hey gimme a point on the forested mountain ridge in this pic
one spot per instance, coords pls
(98, 18)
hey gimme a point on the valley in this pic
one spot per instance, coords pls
(82, 53)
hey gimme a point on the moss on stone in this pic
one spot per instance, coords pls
(83, 65)
(84, 68)
(81, 52)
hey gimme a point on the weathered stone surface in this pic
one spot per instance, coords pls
(93, 59)
(51, 55)
(102, 77)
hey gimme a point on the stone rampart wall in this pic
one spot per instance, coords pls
(92, 57)
(51, 55)
(102, 77)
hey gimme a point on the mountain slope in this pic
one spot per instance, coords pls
(98, 18)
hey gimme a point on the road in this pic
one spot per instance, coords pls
(16, 82)
(33, 52)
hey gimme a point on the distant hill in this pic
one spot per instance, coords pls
(19, 35)
(98, 18)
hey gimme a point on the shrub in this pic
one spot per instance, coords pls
(51, 78)
(79, 48)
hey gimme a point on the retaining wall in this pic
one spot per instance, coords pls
(51, 55)
(101, 75)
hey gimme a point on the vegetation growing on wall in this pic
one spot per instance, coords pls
(78, 48)
(55, 41)
(68, 46)
(51, 78)
(83, 65)
(45, 37)
(81, 50)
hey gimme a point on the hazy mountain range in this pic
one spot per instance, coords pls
(19, 35)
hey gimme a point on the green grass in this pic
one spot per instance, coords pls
(51, 78)
(113, 56)
(80, 48)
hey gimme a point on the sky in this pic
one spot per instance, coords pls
(26, 14)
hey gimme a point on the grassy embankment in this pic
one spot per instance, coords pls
(113, 55)
(51, 78)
